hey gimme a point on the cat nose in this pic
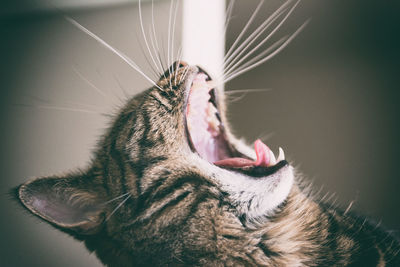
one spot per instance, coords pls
(174, 67)
(178, 64)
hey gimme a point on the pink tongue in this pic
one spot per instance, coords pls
(262, 153)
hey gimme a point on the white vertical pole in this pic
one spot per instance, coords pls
(203, 36)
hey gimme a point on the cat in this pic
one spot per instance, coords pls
(189, 193)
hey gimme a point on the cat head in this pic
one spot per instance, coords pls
(167, 169)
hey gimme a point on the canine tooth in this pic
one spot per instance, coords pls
(211, 110)
(214, 126)
(281, 154)
(272, 159)
(211, 84)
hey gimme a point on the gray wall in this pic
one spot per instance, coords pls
(334, 101)
(43, 57)
(333, 106)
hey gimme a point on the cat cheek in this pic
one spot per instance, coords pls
(273, 194)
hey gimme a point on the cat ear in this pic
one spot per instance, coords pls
(70, 203)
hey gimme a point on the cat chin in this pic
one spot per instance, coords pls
(254, 198)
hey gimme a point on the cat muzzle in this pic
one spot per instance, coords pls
(207, 135)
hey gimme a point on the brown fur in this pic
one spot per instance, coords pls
(173, 213)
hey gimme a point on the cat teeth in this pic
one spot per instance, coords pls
(272, 159)
(212, 120)
(211, 84)
(281, 155)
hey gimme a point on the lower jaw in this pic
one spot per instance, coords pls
(258, 171)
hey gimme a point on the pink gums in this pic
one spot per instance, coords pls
(204, 138)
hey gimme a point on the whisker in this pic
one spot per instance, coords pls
(251, 38)
(265, 39)
(252, 17)
(169, 40)
(59, 108)
(164, 54)
(121, 87)
(184, 74)
(244, 93)
(153, 38)
(234, 60)
(266, 136)
(348, 207)
(112, 49)
(158, 55)
(38, 99)
(49, 104)
(153, 46)
(280, 48)
(261, 55)
(235, 99)
(157, 50)
(99, 91)
(179, 55)
(173, 36)
(228, 13)
(81, 104)
(116, 198)
(260, 90)
(145, 38)
(152, 69)
(119, 206)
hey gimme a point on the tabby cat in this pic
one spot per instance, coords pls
(170, 185)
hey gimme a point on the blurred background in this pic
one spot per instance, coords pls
(331, 100)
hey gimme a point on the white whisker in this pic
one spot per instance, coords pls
(116, 198)
(261, 55)
(234, 61)
(89, 82)
(119, 205)
(64, 108)
(244, 91)
(251, 38)
(81, 104)
(164, 54)
(184, 74)
(144, 53)
(264, 40)
(179, 55)
(266, 136)
(154, 39)
(173, 37)
(121, 87)
(252, 17)
(280, 48)
(158, 55)
(48, 104)
(112, 49)
(153, 46)
(228, 13)
(169, 40)
(236, 99)
(145, 38)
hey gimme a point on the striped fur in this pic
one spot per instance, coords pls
(147, 199)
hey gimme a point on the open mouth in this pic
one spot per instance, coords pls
(207, 136)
